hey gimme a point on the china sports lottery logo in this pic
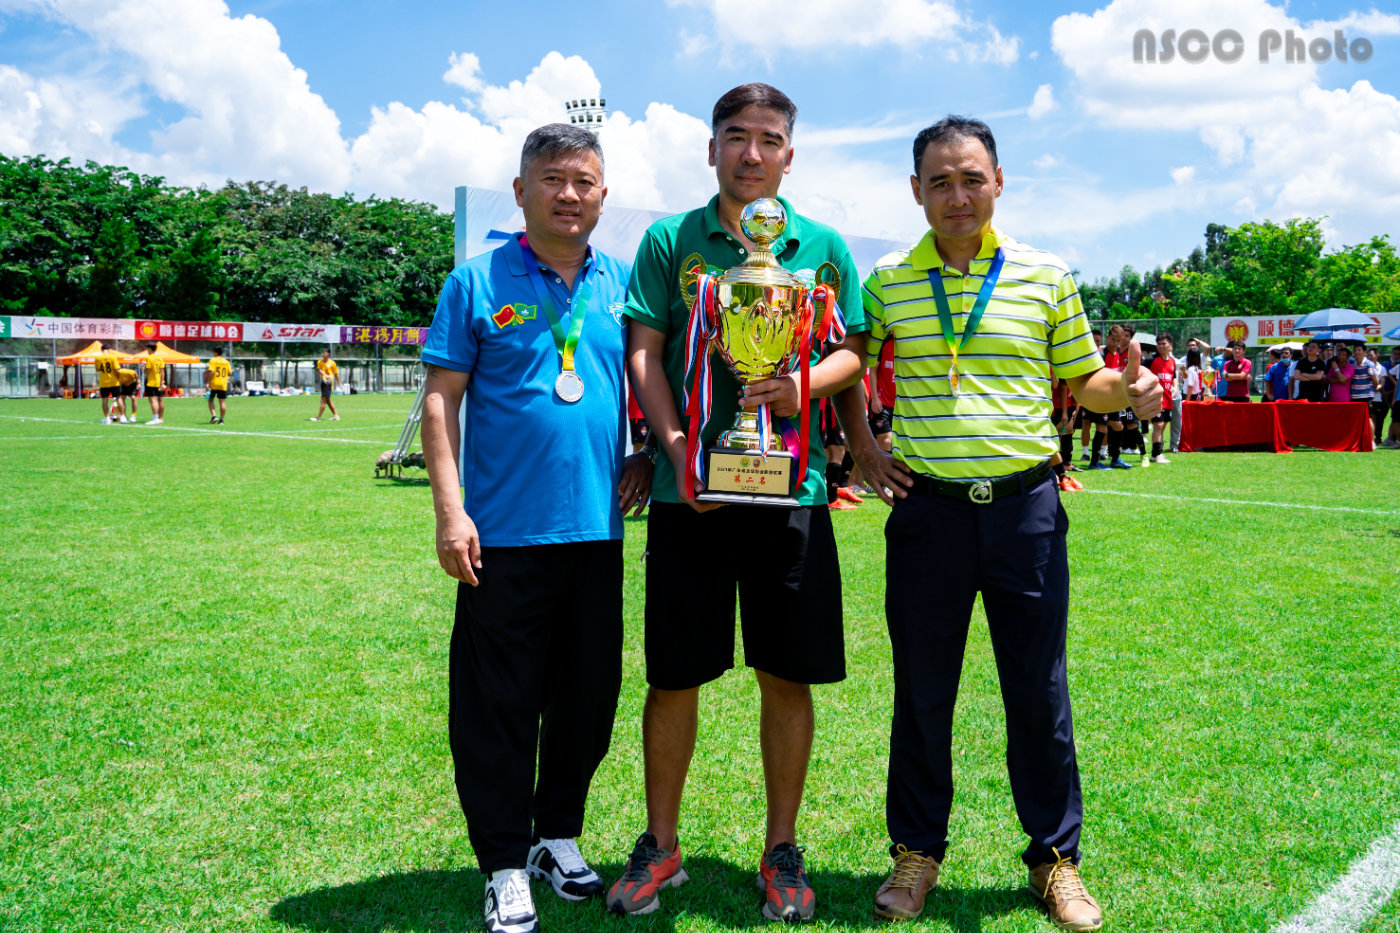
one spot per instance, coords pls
(147, 330)
(1236, 330)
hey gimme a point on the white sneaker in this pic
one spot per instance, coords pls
(126, 420)
(509, 906)
(313, 419)
(336, 418)
(558, 861)
(1160, 459)
(156, 421)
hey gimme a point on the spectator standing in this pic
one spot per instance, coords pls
(1191, 372)
(1217, 366)
(1310, 375)
(1390, 394)
(1339, 373)
(1366, 385)
(1236, 374)
(1276, 379)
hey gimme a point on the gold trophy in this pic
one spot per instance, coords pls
(759, 319)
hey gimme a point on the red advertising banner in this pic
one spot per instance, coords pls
(188, 330)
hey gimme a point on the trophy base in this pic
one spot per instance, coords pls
(741, 476)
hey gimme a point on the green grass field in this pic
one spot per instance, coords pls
(225, 688)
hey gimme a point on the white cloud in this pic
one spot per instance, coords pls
(464, 71)
(1047, 161)
(745, 28)
(1183, 175)
(1042, 103)
(1300, 149)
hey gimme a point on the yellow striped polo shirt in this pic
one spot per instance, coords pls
(999, 422)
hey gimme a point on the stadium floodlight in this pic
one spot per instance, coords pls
(587, 112)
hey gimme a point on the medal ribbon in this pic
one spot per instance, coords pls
(945, 314)
(699, 396)
(565, 344)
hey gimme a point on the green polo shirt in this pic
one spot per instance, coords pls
(1034, 325)
(654, 299)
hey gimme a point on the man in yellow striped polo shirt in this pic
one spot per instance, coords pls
(979, 321)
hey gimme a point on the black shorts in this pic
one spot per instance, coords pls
(639, 430)
(154, 392)
(218, 393)
(1127, 416)
(784, 564)
(325, 390)
(1085, 416)
(129, 389)
(883, 423)
(1163, 417)
(109, 391)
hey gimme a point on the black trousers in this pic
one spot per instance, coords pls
(535, 668)
(940, 553)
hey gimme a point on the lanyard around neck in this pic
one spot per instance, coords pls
(565, 344)
(945, 314)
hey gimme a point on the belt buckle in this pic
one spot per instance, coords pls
(981, 492)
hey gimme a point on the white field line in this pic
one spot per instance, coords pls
(1357, 896)
(170, 429)
(1271, 505)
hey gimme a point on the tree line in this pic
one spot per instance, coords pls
(103, 241)
(1255, 269)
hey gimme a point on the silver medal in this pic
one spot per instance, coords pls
(568, 386)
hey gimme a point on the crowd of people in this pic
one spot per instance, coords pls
(543, 329)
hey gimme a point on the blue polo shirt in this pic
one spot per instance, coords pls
(1278, 379)
(535, 469)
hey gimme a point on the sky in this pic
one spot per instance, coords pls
(1108, 161)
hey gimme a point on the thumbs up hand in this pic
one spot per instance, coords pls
(1142, 387)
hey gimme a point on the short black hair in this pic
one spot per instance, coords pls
(555, 139)
(102, 344)
(954, 127)
(151, 347)
(1274, 351)
(754, 94)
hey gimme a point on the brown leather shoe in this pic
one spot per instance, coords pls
(902, 895)
(1058, 886)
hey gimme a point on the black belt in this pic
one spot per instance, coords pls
(980, 491)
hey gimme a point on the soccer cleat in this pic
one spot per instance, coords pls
(841, 505)
(1071, 468)
(1118, 464)
(902, 895)
(509, 906)
(849, 494)
(1160, 459)
(782, 877)
(1084, 456)
(336, 418)
(1099, 466)
(558, 861)
(1058, 886)
(649, 869)
(156, 421)
(213, 420)
(1070, 484)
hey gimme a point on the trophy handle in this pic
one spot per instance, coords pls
(827, 275)
(691, 269)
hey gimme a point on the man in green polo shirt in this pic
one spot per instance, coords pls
(783, 562)
(979, 323)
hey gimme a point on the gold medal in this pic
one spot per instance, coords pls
(954, 379)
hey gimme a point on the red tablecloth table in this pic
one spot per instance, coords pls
(1214, 425)
(1276, 426)
(1326, 425)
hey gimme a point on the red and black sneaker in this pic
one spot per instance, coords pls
(649, 869)
(782, 877)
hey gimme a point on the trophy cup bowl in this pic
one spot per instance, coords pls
(763, 325)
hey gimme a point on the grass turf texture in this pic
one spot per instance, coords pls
(225, 697)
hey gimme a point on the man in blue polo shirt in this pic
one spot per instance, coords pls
(534, 533)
